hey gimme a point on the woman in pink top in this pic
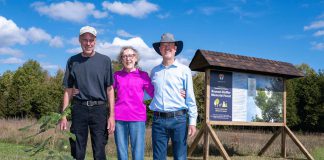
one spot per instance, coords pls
(130, 110)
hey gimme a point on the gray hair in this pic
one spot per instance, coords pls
(119, 58)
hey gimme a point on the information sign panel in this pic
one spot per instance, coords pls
(245, 97)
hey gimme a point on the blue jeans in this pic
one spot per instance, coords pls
(165, 128)
(135, 131)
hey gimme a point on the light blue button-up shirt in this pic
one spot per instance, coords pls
(168, 81)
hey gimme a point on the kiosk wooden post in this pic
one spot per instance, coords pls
(206, 137)
(283, 133)
(209, 61)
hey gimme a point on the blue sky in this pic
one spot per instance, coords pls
(290, 30)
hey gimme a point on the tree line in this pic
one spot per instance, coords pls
(31, 92)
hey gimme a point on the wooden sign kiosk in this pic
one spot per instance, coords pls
(234, 83)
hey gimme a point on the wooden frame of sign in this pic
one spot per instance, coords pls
(209, 62)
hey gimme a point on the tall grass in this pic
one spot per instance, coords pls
(236, 142)
(247, 143)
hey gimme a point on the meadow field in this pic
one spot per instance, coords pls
(240, 144)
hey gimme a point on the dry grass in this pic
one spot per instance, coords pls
(247, 143)
(10, 134)
(237, 142)
(9, 130)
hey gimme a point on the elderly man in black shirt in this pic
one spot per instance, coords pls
(91, 74)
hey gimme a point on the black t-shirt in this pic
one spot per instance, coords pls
(91, 75)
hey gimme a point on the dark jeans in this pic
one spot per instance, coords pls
(83, 119)
(165, 128)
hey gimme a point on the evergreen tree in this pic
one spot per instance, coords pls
(199, 89)
(57, 90)
(26, 83)
(5, 85)
(291, 107)
(116, 66)
(321, 105)
(309, 102)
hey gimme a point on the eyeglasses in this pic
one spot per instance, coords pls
(128, 55)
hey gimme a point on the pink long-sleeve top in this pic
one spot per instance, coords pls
(130, 88)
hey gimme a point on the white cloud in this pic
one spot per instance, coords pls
(37, 35)
(137, 9)
(315, 25)
(163, 16)
(10, 51)
(148, 64)
(74, 50)
(97, 14)
(108, 49)
(137, 41)
(183, 60)
(319, 33)
(74, 41)
(123, 33)
(112, 49)
(317, 46)
(70, 11)
(190, 51)
(12, 60)
(148, 57)
(321, 16)
(56, 42)
(10, 33)
(49, 66)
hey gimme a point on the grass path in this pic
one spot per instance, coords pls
(11, 151)
(319, 153)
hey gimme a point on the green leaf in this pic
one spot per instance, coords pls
(69, 134)
(26, 128)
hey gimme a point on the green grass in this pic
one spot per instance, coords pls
(14, 151)
(11, 151)
(318, 153)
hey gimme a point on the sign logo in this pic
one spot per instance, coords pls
(221, 77)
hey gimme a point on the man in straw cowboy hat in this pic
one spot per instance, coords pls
(170, 109)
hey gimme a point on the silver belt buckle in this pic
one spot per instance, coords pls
(89, 104)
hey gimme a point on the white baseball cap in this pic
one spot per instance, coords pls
(88, 29)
